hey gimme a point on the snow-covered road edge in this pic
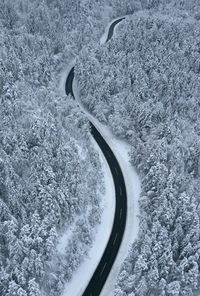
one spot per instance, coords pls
(132, 182)
(105, 34)
(133, 187)
(63, 76)
(85, 271)
(82, 276)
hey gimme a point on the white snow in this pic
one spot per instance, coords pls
(84, 273)
(63, 77)
(82, 276)
(81, 153)
(132, 182)
(65, 237)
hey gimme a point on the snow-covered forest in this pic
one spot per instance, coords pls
(144, 83)
(50, 175)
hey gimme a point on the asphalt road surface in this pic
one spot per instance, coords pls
(103, 269)
(111, 29)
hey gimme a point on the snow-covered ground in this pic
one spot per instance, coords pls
(84, 273)
(65, 238)
(132, 182)
(63, 76)
(82, 276)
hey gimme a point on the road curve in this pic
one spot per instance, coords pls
(111, 28)
(103, 269)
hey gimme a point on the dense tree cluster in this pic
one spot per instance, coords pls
(144, 83)
(50, 175)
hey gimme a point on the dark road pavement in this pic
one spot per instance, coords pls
(105, 265)
(111, 29)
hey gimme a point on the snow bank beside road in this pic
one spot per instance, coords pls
(132, 183)
(84, 273)
(63, 76)
(133, 188)
(82, 276)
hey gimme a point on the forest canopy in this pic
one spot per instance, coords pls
(144, 83)
(50, 174)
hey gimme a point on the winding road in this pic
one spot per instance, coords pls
(104, 267)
